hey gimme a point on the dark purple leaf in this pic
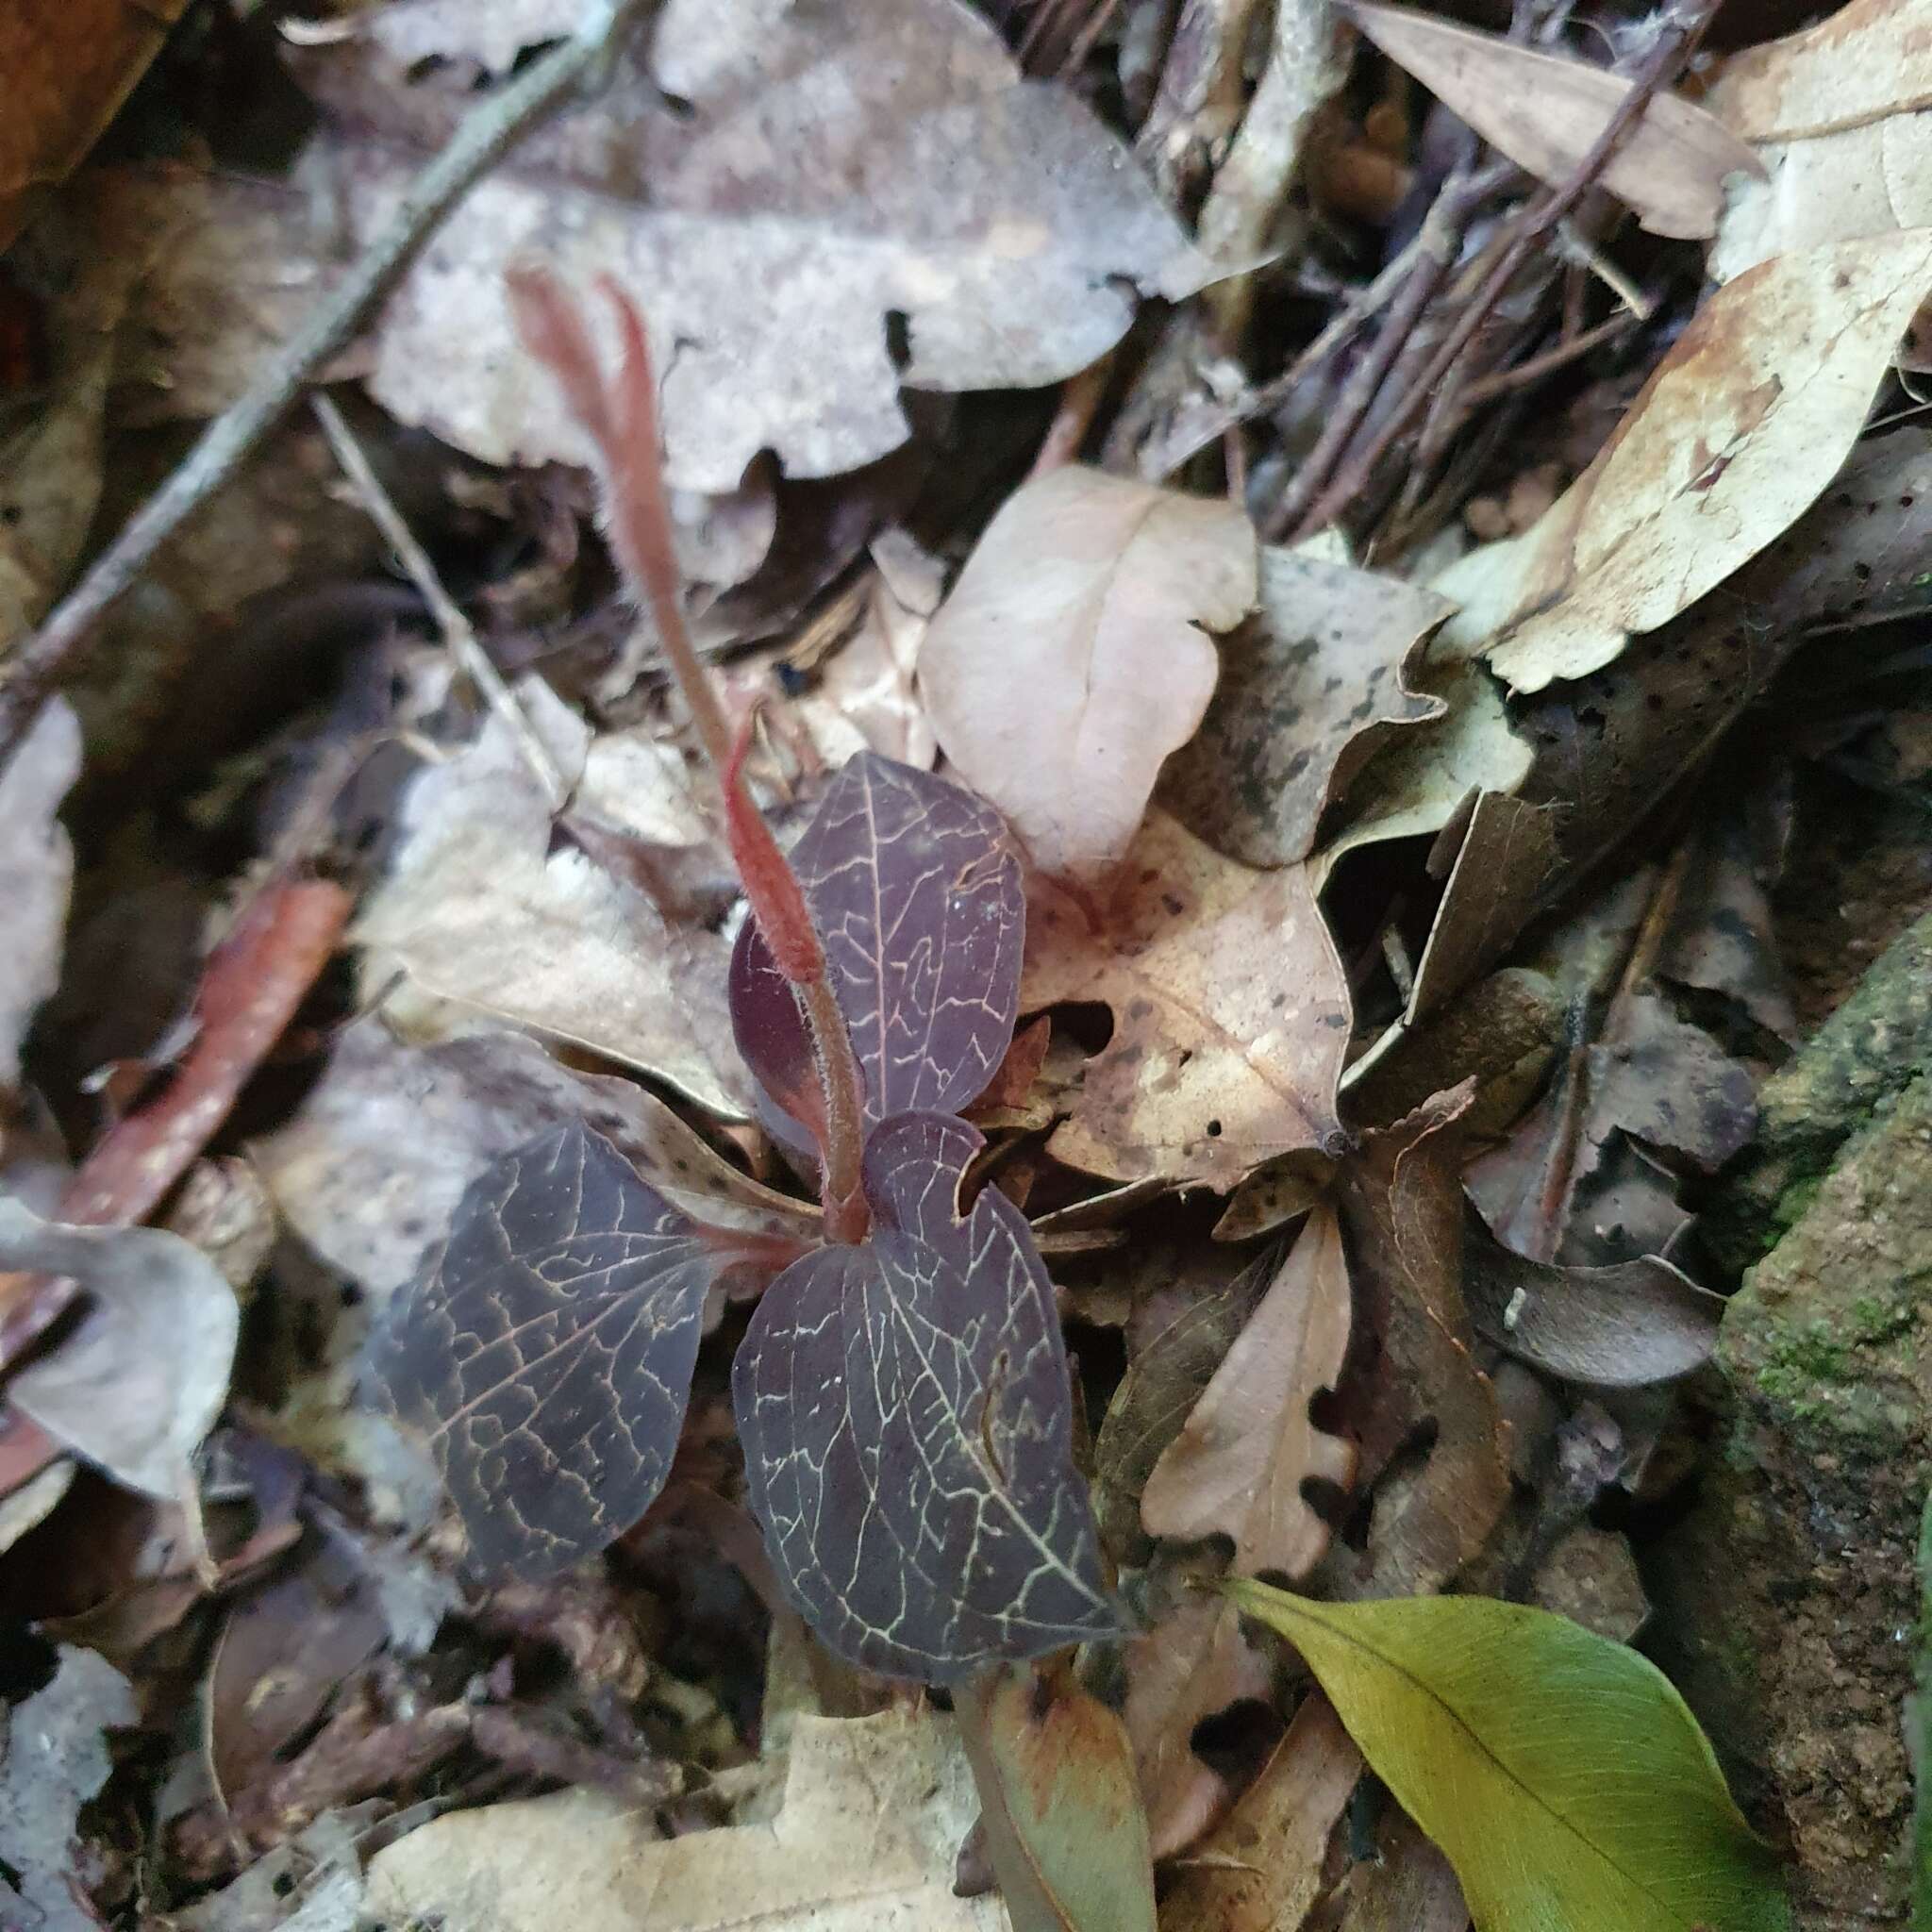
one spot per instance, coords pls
(916, 895)
(907, 1427)
(545, 1350)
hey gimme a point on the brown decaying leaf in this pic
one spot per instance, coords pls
(1240, 1462)
(1545, 111)
(1402, 1204)
(1188, 1667)
(1742, 426)
(370, 1168)
(1231, 1013)
(871, 160)
(1262, 1866)
(68, 68)
(1501, 871)
(36, 875)
(1407, 1885)
(249, 992)
(1617, 1327)
(1308, 691)
(1165, 1378)
(1070, 659)
(873, 1812)
(480, 907)
(138, 1383)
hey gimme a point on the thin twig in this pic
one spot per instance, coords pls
(238, 432)
(458, 633)
(1487, 389)
(1682, 27)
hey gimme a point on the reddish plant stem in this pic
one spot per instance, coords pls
(1683, 26)
(622, 424)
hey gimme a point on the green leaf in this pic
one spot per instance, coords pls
(1560, 1773)
(1064, 1824)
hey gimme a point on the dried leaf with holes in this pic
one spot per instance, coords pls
(1230, 1009)
(1740, 430)
(1239, 1464)
(1073, 655)
(1546, 111)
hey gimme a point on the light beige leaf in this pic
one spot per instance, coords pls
(875, 1812)
(36, 873)
(1072, 656)
(1325, 675)
(476, 907)
(1836, 117)
(1739, 430)
(137, 1385)
(1238, 1466)
(1546, 111)
(846, 165)
(371, 1166)
(1231, 1013)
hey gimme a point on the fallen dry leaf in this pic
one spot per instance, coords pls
(1240, 1463)
(1310, 691)
(1836, 118)
(1189, 1666)
(57, 1759)
(36, 874)
(874, 1813)
(1503, 868)
(1617, 1327)
(851, 164)
(137, 1383)
(480, 907)
(1262, 1866)
(1404, 1885)
(1231, 1013)
(371, 1165)
(68, 68)
(1402, 1204)
(1073, 656)
(1546, 111)
(1740, 430)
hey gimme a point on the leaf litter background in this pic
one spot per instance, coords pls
(1444, 794)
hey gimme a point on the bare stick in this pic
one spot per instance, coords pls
(458, 631)
(238, 432)
(1684, 24)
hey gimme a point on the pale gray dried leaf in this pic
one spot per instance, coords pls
(873, 1812)
(370, 1166)
(1546, 111)
(481, 907)
(1591, 1577)
(1621, 1327)
(1073, 656)
(57, 1759)
(36, 873)
(35, 1499)
(850, 164)
(1239, 1464)
(140, 1380)
(1308, 691)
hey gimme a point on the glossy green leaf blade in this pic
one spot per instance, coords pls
(1060, 1804)
(1560, 1773)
